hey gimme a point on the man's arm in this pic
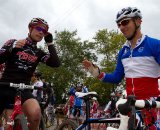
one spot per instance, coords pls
(114, 77)
(52, 58)
(6, 50)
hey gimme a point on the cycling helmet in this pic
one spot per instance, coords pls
(79, 85)
(129, 12)
(38, 21)
(94, 98)
(37, 74)
(119, 90)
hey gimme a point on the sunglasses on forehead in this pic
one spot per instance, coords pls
(124, 22)
(41, 29)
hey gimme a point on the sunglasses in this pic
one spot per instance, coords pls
(41, 29)
(124, 22)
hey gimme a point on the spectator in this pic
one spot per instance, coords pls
(36, 79)
(78, 102)
(94, 108)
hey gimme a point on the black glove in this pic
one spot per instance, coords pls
(48, 38)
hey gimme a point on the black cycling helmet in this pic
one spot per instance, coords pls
(79, 85)
(128, 12)
(37, 74)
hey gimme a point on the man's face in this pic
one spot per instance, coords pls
(78, 89)
(118, 94)
(37, 32)
(33, 78)
(126, 26)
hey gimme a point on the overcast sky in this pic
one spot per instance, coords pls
(85, 16)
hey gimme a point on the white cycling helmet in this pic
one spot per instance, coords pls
(119, 90)
(94, 98)
(129, 12)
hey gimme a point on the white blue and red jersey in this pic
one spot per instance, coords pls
(140, 67)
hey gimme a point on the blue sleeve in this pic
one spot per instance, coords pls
(72, 91)
(155, 47)
(118, 73)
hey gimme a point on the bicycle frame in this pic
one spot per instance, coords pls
(16, 110)
(131, 120)
(87, 123)
(17, 113)
(89, 120)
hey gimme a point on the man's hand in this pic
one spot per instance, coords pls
(86, 64)
(19, 43)
(48, 38)
(90, 67)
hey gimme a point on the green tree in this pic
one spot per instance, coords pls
(108, 44)
(71, 52)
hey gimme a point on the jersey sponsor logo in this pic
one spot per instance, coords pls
(27, 57)
(141, 49)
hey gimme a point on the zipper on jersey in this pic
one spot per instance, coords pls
(132, 77)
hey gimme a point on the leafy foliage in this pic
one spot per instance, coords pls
(72, 51)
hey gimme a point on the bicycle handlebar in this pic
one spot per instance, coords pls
(81, 94)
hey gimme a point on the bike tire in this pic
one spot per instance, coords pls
(20, 123)
(67, 125)
(42, 125)
(52, 121)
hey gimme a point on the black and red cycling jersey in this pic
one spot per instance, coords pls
(20, 63)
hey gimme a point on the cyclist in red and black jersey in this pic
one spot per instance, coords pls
(21, 58)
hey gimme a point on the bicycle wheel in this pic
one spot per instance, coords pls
(67, 125)
(54, 120)
(51, 120)
(42, 125)
(20, 122)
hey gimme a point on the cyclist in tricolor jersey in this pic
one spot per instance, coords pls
(138, 60)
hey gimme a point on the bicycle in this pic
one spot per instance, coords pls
(113, 114)
(70, 125)
(17, 119)
(50, 117)
(140, 115)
